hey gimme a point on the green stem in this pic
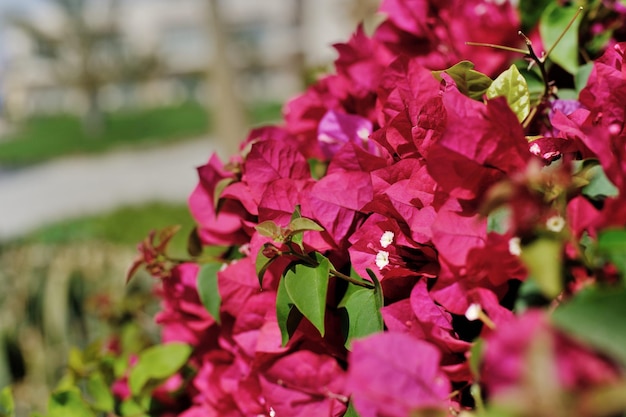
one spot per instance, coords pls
(571, 22)
(355, 281)
(540, 63)
(494, 46)
(311, 262)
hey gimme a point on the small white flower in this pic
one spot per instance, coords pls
(535, 149)
(245, 249)
(386, 239)
(555, 224)
(382, 259)
(473, 312)
(363, 133)
(323, 137)
(515, 246)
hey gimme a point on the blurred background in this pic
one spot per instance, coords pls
(106, 108)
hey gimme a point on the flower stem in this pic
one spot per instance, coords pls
(355, 281)
(569, 25)
(494, 46)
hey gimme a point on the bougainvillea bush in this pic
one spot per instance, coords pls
(436, 228)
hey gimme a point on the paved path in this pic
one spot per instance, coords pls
(78, 186)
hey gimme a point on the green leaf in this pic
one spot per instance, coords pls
(475, 357)
(582, 76)
(219, 189)
(512, 86)
(596, 316)
(297, 213)
(599, 186)
(307, 287)
(208, 291)
(363, 312)
(499, 220)
(157, 363)
(68, 403)
(378, 290)
(469, 81)
(130, 408)
(298, 226)
(612, 244)
(194, 243)
(543, 260)
(7, 405)
(554, 20)
(529, 295)
(287, 314)
(350, 411)
(604, 400)
(534, 82)
(261, 264)
(302, 224)
(100, 392)
(270, 229)
(530, 12)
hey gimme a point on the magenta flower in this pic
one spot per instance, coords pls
(392, 374)
(574, 366)
(336, 129)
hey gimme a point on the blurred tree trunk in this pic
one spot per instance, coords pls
(299, 59)
(364, 11)
(87, 55)
(228, 112)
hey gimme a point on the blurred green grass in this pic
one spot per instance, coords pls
(47, 137)
(124, 226)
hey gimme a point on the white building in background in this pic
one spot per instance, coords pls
(265, 39)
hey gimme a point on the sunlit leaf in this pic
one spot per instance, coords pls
(269, 229)
(554, 21)
(7, 405)
(512, 86)
(130, 408)
(302, 224)
(100, 392)
(468, 81)
(157, 363)
(208, 290)
(543, 260)
(596, 316)
(68, 403)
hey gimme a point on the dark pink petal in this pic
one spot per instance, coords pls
(507, 352)
(352, 157)
(220, 228)
(271, 160)
(456, 233)
(237, 282)
(488, 134)
(305, 384)
(392, 374)
(251, 320)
